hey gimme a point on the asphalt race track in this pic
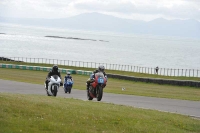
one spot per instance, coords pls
(190, 108)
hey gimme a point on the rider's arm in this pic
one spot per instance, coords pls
(59, 75)
(49, 74)
(105, 75)
(64, 80)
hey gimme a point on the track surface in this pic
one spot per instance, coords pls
(190, 108)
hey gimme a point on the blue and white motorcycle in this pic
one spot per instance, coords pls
(68, 85)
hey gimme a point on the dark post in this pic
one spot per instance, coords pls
(182, 73)
(174, 71)
(185, 72)
(167, 71)
(193, 72)
(178, 72)
(160, 71)
(171, 72)
(189, 72)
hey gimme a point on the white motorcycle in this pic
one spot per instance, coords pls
(53, 85)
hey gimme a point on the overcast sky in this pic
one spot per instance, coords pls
(132, 9)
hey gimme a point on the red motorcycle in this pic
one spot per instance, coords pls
(96, 87)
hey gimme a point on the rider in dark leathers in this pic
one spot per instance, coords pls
(53, 71)
(100, 69)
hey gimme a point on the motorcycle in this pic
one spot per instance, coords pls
(68, 85)
(96, 87)
(53, 85)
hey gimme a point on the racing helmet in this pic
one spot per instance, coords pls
(101, 68)
(55, 68)
(68, 73)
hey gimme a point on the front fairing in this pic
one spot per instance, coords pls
(55, 79)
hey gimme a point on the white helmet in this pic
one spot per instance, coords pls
(101, 68)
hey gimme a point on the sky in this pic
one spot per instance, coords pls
(146, 10)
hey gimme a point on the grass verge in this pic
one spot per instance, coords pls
(34, 113)
(107, 71)
(113, 85)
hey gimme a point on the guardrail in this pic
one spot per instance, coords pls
(129, 68)
(123, 77)
(41, 68)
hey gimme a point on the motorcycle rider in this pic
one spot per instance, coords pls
(68, 76)
(53, 71)
(101, 68)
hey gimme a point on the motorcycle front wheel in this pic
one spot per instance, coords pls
(99, 93)
(55, 90)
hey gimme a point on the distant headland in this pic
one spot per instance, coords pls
(75, 38)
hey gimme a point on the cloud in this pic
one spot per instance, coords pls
(134, 9)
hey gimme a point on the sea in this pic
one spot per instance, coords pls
(106, 47)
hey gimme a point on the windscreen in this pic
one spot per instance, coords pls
(99, 74)
(55, 76)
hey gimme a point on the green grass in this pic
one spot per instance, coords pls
(42, 114)
(113, 85)
(107, 71)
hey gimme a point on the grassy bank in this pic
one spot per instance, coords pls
(108, 71)
(113, 85)
(42, 114)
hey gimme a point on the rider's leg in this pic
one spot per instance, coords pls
(88, 84)
(47, 81)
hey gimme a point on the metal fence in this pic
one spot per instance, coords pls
(120, 67)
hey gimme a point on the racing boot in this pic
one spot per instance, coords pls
(46, 86)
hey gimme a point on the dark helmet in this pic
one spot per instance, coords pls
(101, 68)
(68, 73)
(55, 68)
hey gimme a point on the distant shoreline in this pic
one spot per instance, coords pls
(74, 38)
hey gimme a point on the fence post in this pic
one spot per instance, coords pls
(160, 71)
(178, 72)
(171, 72)
(164, 72)
(174, 71)
(193, 72)
(185, 72)
(189, 72)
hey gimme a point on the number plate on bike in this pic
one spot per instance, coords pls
(100, 80)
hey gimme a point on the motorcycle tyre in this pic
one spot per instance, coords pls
(69, 90)
(55, 91)
(99, 93)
